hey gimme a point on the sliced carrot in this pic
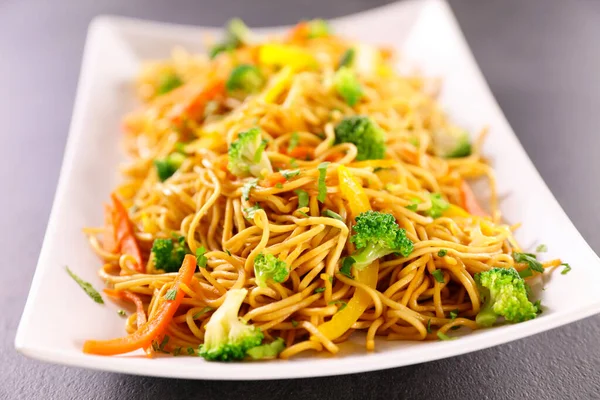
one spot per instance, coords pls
(299, 32)
(469, 200)
(272, 180)
(126, 241)
(109, 240)
(301, 152)
(156, 325)
(135, 299)
(333, 157)
(410, 155)
(194, 102)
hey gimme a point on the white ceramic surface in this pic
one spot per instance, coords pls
(58, 316)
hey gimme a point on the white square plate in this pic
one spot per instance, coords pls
(58, 317)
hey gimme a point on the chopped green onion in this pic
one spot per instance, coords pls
(428, 326)
(302, 198)
(248, 186)
(438, 275)
(542, 248)
(342, 303)
(202, 312)
(191, 351)
(294, 140)
(200, 257)
(566, 269)
(122, 313)
(453, 314)
(442, 252)
(176, 351)
(288, 174)
(295, 323)
(251, 211)
(347, 58)
(334, 215)
(438, 205)
(168, 82)
(319, 290)
(321, 183)
(171, 294)
(346, 268)
(414, 204)
(443, 336)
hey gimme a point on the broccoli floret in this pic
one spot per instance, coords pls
(247, 155)
(167, 166)
(347, 86)
(267, 266)
(267, 351)
(365, 134)
(318, 28)
(245, 78)
(377, 235)
(237, 34)
(169, 256)
(227, 338)
(168, 82)
(438, 205)
(504, 294)
(451, 143)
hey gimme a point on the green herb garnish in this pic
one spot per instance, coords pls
(202, 312)
(86, 286)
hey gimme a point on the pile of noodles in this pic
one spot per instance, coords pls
(203, 202)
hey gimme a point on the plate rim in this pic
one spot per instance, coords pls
(337, 366)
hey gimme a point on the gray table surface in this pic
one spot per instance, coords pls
(541, 59)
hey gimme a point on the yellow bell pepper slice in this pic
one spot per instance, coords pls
(276, 54)
(353, 192)
(277, 84)
(342, 321)
(455, 211)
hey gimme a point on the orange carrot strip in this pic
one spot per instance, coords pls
(193, 105)
(273, 180)
(299, 32)
(109, 240)
(469, 200)
(301, 152)
(156, 325)
(135, 299)
(126, 241)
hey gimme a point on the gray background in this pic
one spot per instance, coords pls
(542, 61)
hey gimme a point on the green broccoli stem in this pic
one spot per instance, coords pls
(486, 316)
(365, 256)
